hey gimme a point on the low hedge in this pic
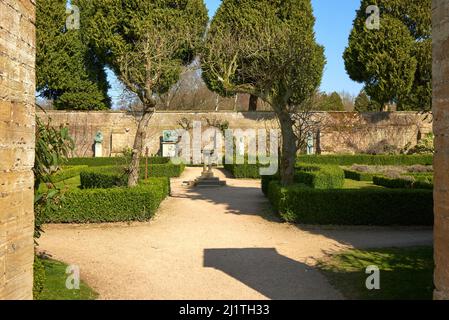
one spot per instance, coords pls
(358, 176)
(113, 161)
(320, 177)
(380, 207)
(67, 173)
(111, 205)
(244, 171)
(380, 160)
(403, 183)
(315, 176)
(115, 176)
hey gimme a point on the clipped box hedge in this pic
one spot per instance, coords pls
(380, 207)
(358, 176)
(111, 205)
(113, 161)
(244, 171)
(379, 160)
(314, 176)
(403, 183)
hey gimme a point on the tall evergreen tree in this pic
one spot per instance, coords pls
(267, 49)
(364, 104)
(147, 43)
(67, 70)
(394, 62)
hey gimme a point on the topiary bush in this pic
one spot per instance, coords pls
(320, 177)
(244, 171)
(381, 160)
(358, 176)
(111, 205)
(381, 207)
(113, 161)
(406, 182)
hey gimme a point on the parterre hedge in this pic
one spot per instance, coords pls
(115, 176)
(381, 207)
(113, 161)
(315, 176)
(381, 160)
(243, 171)
(403, 183)
(111, 205)
(358, 176)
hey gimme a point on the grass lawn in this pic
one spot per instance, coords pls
(353, 184)
(54, 287)
(405, 273)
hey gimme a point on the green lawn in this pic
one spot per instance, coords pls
(54, 286)
(353, 184)
(405, 273)
(69, 184)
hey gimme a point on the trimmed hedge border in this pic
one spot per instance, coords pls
(402, 183)
(347, 160)
(358, 176)
(115, 176)
(380, 207)
(315, 176)
(243, 171)
(113, 161)
(111, 205)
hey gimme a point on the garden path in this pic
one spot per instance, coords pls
(222, 243)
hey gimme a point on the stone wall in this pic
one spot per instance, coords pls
(17, 47)
(342, 132)
(440, 38)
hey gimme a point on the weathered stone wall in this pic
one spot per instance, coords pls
(343, 132)
(440, 38)
(17, 48)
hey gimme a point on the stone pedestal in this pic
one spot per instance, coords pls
(98, 150)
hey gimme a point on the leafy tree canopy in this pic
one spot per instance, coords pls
(67, 71)
(394, 62)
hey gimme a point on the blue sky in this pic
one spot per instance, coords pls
(333, 25)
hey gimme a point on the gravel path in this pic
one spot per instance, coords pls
(221, 243)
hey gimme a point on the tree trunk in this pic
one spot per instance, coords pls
(288, 156)
(134, 168)
(253, 103)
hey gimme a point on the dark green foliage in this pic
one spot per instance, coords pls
(352, 207)
(331, 102)
(116, 176)
(112, 161)
(381, 160)
(111, 205)
(404, 182)
(358, 176)
(320, 177)
(363, 103)
(393, 62)
(38, 278)
(244, 171)
(67, 71)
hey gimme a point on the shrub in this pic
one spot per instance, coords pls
(38, 277)
(358, 176)
(93, 179)
(67, 173)
(405, 182)
(111, 205)
(381, 160)
(352, 207)
(320, 177)
(244, 171)
(113, 161)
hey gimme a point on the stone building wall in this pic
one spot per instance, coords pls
(440, 38)
(17, 48)
(342, 132)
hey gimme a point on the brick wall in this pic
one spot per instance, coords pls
(441, 128)
(17, 87)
